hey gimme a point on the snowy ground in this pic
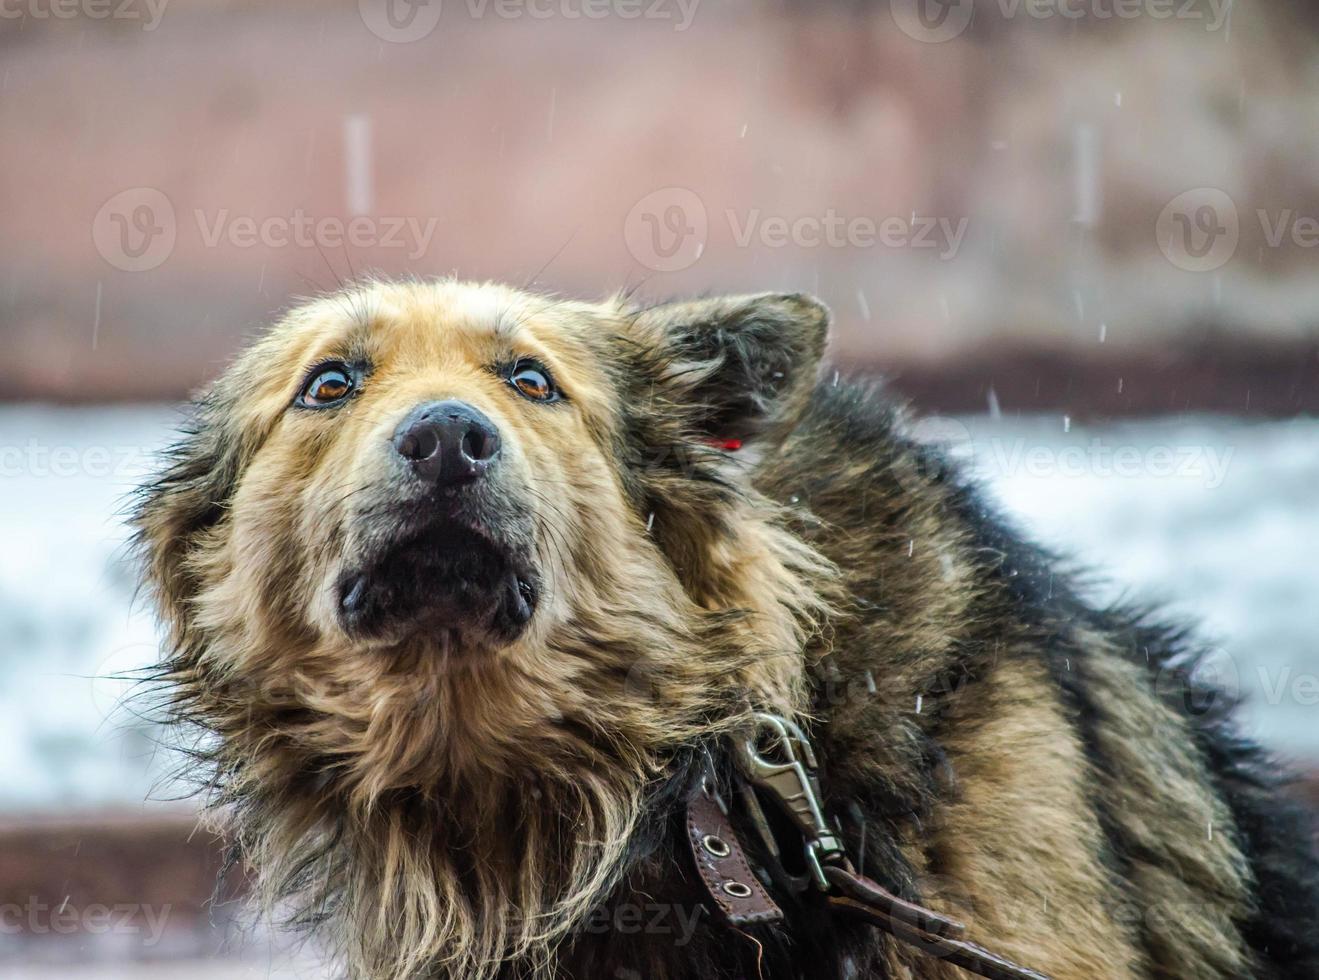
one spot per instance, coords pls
(1214, 517)
(1217, 516)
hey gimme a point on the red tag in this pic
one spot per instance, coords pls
(727, 445)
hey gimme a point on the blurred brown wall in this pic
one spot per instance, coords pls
(1044, 151)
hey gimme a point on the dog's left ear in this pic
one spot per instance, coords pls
(743, 365)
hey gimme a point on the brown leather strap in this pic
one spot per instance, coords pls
(918, 926)
(742, 900)
(870, 893)
(723, 866)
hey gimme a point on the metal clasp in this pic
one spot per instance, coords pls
(777, 757)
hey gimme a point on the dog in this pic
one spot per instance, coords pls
(469, 593)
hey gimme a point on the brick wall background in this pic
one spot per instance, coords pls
(1076, 210)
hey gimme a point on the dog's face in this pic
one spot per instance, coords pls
(428, 543)
(458, 464)
(432, 467)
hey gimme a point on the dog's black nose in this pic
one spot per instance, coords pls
(447, 442)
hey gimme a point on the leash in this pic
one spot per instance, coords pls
(777, 759)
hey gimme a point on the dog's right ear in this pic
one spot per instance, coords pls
(742, 366)
(186, 500)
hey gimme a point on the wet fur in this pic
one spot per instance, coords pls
(454, 813)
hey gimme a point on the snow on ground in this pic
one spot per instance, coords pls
(1218, 516)
(67, 617)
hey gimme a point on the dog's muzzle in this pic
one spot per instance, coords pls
(442, 547)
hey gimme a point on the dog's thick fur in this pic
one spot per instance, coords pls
(454, 803)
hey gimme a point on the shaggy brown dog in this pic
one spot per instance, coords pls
(461, 597)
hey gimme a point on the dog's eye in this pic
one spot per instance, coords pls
(533, 382)
(328, 384)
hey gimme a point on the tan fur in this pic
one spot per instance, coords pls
(447, 812)
(532, 827)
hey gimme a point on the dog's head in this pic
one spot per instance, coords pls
(431, 536)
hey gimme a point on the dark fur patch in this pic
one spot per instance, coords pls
(991, 744)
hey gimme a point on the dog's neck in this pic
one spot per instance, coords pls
(485, 808)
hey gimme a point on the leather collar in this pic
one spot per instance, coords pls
(741, 899)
